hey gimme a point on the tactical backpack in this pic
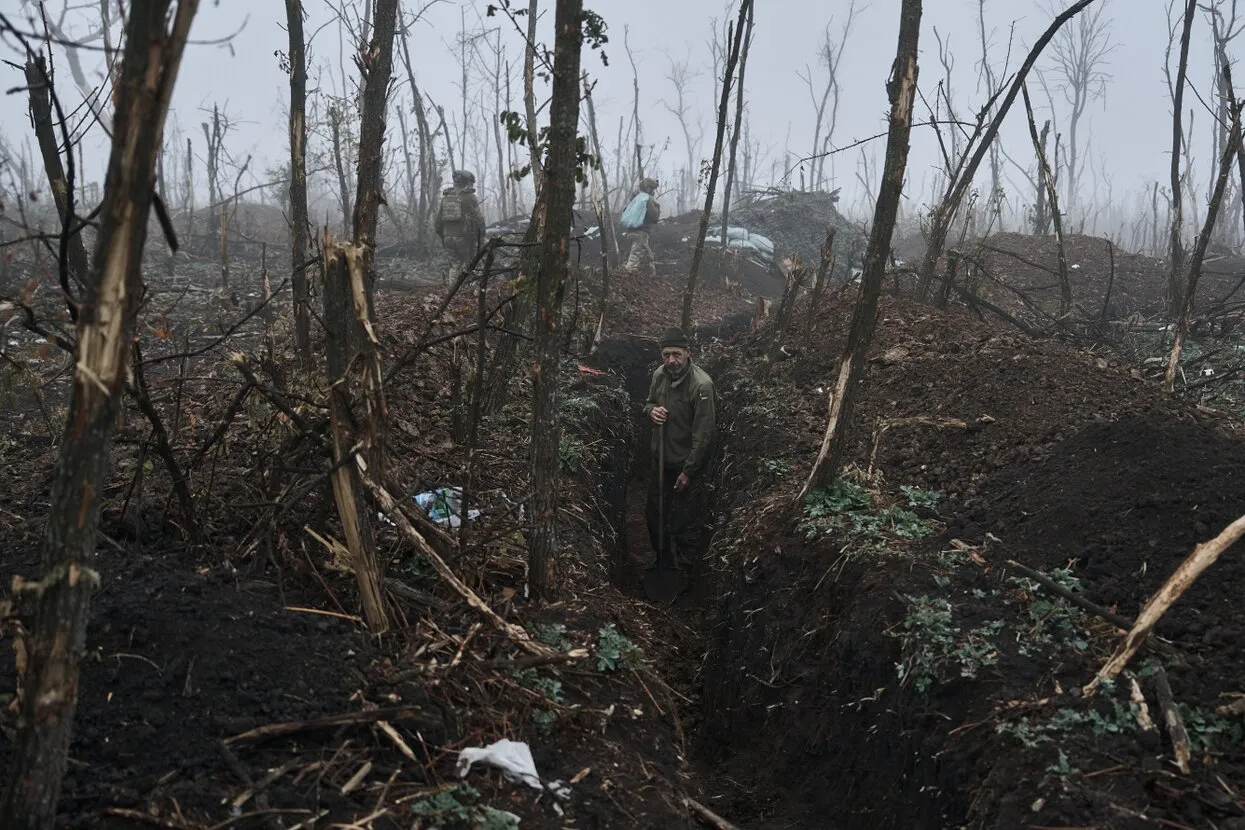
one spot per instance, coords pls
(452, 210)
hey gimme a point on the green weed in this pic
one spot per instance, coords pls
(573, 453)
(552, 635)
(454, 809)
(777, 467)
(614, 650)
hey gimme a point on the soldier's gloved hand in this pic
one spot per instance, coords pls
(658, 414)
(680, 483)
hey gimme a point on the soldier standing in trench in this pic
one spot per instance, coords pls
(682, 406)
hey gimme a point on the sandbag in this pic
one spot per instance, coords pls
(762, 243)
(635, 213)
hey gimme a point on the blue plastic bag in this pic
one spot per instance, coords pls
(633, 216)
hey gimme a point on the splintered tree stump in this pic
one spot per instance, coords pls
(350, 341)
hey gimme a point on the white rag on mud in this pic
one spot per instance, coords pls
(514, 759)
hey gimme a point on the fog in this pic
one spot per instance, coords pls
(235, 64)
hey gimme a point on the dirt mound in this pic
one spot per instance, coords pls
(1019, 274)
(862, 675)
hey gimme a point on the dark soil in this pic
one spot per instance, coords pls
(770, 692)
(1067, 458)
(1019, 274)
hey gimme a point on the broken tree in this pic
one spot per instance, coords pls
(732, 59)
(155, 40)
(901, 90)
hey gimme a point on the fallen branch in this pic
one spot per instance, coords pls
(1203, 556)
(395, 514)
(706, 815)
(1122, 623)
(1173, 720)
(413, 595)
(277, 730)
(1140, 708)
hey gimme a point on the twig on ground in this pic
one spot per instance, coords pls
(1122, 623)
(277, 730)
(1203, 556)
(706, 815)
(1173, 720)
(395, 514)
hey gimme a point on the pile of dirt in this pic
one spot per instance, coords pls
(864, 676)
(1019, 273)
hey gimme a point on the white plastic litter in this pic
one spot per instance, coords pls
(514, 759)
(445, 506)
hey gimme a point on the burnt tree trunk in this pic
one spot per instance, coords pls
(559, 186)
(1230, 152)
(74, 262)
(738, 128)
(154, 42)
(529, 97)
(1041, 215)
(901, 89)
(335, 132)
(377, 69)
(427, 193)
(299, 219)
(609, 239)
(1047, 179)
(732, 59)
(1175, 274)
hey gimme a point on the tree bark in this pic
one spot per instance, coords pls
(559, 186)
(732, 59)
(49, 686)
(609, 239)
(944, 213)
(335, 132)
(1231, 149)
(901, 89)
(529, 96)
(348, 335)
(72, 249)
(1175, 274)
(427, 188)
(739, 121)
(1048, 182)
(377, 68)
(299, 219)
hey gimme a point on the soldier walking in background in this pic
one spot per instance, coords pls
(460, 223)
(641, 214)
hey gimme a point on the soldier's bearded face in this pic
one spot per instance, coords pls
(674, 358)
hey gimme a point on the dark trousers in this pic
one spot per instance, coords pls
(684, 520)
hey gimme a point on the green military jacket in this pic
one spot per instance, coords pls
(691, 423)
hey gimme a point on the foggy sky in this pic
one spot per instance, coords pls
(1131, 132)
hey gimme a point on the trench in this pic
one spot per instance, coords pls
(796, 753)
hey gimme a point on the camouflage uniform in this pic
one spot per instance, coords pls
(640, 258)
(690, 435)
(460, 223)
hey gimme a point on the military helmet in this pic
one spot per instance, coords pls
(464, 178)
(648, 185)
